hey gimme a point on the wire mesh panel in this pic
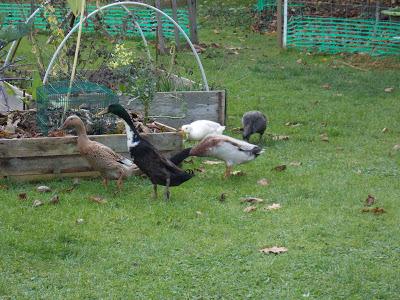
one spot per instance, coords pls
(113, 19)
(85, 100)
(358, 26)
(339, 35)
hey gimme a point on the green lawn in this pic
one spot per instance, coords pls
(196, 247)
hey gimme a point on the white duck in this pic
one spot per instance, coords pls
(226, 148)
(198, 130)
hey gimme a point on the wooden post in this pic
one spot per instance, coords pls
(160, 37)
(279, 23)
(192, 8)
(175, 17)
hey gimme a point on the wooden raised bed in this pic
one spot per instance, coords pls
(57, 157)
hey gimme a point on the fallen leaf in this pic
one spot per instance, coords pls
(384, 130)
(79, 221)
(263, 181)
(67, 190)
(389, 89)
(97, 199)
(370, 200)
(3, 187)
(200, 169)
(23, 196)
(280, 168)
(222, 197)
(216, 31)
(365, 209)
(251, 200)
(274, 250)
(238, 173)
(338, 95)
(273, 206)
(212, 162)
(43, 189)
(189, 161)
(295, 163)
(76, 182)
(324, 137)
(280, 138)
(250, 209)
(326, 86)
(57, 133)
(378, 210)
(293, 124)
(396, 147)
(199, 213)
(37, 203)
(55, 200)
(299, 61)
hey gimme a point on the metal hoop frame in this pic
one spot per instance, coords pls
(124, 3)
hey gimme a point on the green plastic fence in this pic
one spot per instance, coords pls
(337, 35)
(113, 19)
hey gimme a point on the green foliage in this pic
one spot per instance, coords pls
(13, 32)
(75, 6)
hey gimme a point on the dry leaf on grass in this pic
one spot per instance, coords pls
(384, 130)
(326, 86)
(3, 187)
(324, 137)
(67, 190)
(97, 199)
(280, 168)
(274, 250)
(280, 138)
(251, 200)
(43, 189)
(299, 61)
(222, 197)
(216, 31)
(55, 200)
(79, 221)
(375, 210)
(263, 182)
(370, 200)
(389, 89)
(23, 196)
(250, 209)
(293, 124)
(378, 210)
(200, 170)
(37, 203)
(273, 206)
(295, 164)
(212, 162)
(238, 173)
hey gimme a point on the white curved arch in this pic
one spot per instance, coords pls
(203, 75)
(14, 44)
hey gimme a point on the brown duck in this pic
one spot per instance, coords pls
(111, 165)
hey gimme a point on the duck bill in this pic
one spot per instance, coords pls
(182, 133)
(103, 112)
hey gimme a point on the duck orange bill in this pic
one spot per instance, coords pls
(103, 112)
(182, 133)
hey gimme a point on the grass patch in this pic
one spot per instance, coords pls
(134, 247)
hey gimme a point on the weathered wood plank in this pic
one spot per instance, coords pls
(179, 108)
(53, 146)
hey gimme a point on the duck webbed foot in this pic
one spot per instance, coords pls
(166, 191)
(154, 191)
